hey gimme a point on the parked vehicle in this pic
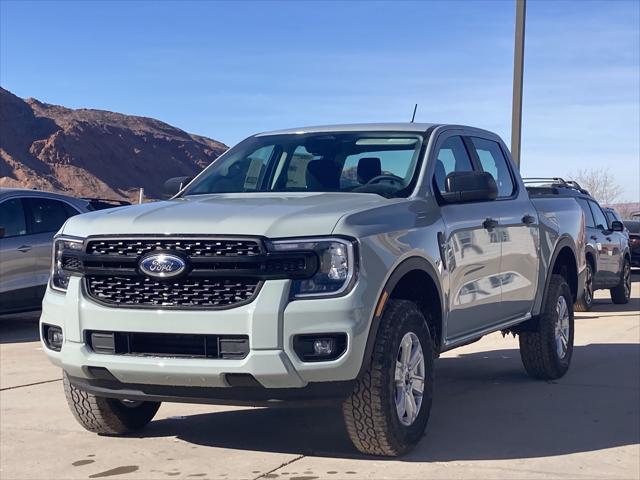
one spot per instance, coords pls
(634, 241)
(28, 221)
(316, 264)
(607, 245)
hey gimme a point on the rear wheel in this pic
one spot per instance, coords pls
(389, 408)
(108, 416)
(622, 292)
(547, 348)
(585, 301)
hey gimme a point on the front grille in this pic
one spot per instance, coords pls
(184, 292)
(218, 272)
(191, 247)
(168, 344)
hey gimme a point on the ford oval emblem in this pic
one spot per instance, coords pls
(162, 265)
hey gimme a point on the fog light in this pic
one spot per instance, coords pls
(53, 337)
(320, 347)
(324, 346)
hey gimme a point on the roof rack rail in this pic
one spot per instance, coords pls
(556, 182)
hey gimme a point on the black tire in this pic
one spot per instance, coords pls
(585, 299)
(370, 414)
(622, 293)
(538, 346)
(107, 416)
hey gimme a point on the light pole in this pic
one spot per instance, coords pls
(518, 70)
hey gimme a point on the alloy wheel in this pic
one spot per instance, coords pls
(626, 279)
(588, 286)
(562, 327)
(409, 379)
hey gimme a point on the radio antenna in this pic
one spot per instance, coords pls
(413, 117)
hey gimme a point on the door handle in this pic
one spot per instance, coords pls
(528, 219)
(24, 248)
(608, 239)
(593, 237)
(490, 224)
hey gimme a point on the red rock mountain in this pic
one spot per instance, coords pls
(93, 152)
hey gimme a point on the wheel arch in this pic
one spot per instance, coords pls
(403, 284)
(564, 261)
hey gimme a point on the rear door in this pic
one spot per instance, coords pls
(45, 216)
(17, 258)
(518, 232)
(472, 244)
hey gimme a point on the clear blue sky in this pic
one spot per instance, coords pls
(227, 70)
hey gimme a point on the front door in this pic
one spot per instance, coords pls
(472, 245)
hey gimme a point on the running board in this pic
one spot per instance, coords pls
(470, 337)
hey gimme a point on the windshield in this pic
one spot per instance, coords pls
(386, 164)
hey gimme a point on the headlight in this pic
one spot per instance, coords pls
(60, 274)
(337, 266)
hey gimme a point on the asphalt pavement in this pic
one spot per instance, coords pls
(489, 420)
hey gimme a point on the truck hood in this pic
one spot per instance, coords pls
(267, 214)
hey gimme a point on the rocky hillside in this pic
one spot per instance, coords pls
(93, 152)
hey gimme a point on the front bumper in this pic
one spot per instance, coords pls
(249, 395)
(271, 321)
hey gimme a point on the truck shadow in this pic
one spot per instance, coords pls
(485, 407)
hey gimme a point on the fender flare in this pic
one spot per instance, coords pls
(406, 266)
(563, 242)
(589, 250)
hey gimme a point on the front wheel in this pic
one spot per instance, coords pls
(547, 348)
(622, 292)
(107, 416)
(389, 408)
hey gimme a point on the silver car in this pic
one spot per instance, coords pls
(28, 221)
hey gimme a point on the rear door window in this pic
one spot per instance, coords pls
(599, 216)
(12, 218)
(494, 162)
(588, 216)
(47, 215)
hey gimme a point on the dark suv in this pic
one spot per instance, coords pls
(607, 245)
(633, 226)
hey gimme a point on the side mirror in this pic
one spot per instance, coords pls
(461, 187)
(175, 184)
(617, 226)
(2, 232)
